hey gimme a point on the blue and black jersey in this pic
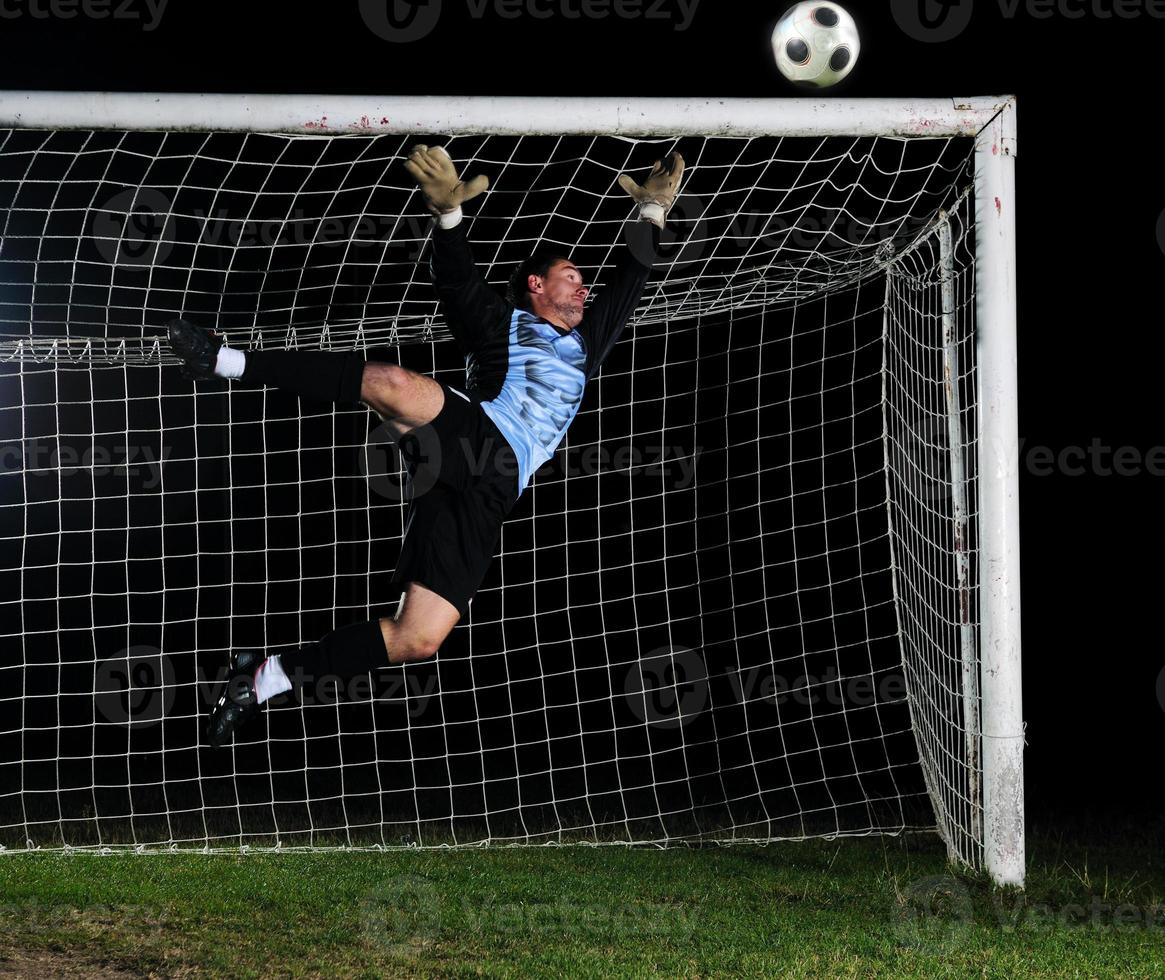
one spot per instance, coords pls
(529, 374)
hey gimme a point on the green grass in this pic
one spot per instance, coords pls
(850, 908)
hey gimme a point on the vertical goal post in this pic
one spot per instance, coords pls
(992, 692)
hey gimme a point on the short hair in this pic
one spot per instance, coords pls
(538, 264)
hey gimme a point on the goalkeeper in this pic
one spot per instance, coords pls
(469, 453)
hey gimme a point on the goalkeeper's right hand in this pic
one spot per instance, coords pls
(434, 171)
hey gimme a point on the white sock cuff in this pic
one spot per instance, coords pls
(270, 679)
(230, 363)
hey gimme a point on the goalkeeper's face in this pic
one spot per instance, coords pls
(562, 294)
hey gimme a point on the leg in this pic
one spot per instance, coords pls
(316, 375)
(419, 627)
(403, 398)
(421, 624)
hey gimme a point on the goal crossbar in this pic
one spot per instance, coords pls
(330, 115)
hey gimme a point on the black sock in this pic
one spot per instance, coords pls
(344, 653)
(326, 376)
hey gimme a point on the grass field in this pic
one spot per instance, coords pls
(852, 908)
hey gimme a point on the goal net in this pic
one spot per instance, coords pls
(744, 602)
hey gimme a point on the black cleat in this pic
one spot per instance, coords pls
(197, 347)
(238, 703)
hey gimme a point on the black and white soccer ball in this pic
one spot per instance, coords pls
(816, 44)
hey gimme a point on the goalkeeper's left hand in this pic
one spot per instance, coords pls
(444, 191)
(658, 193)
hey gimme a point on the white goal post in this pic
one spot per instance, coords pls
(950, 288)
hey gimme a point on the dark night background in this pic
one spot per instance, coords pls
(1088, 252)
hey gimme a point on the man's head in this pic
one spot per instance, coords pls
(550, 286)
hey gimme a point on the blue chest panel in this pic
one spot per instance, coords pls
(542, 392)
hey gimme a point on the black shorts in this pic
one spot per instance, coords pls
(463, 481)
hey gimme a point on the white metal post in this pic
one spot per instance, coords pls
(1001, 680)
(968, 653)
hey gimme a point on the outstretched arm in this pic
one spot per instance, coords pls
(604, 321)
(472, 310)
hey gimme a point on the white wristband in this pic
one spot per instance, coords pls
(653, 212)
(450, 219)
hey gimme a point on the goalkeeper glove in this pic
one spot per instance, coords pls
(658, 193)
(434, 171)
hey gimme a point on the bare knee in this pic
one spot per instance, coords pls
(410, 646)
(381, 383)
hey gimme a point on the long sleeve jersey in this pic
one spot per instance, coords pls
(528, 374)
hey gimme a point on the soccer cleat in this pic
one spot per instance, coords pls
(197, 346)
(238, 703)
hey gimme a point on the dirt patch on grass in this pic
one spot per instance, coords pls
(102, 941)
(38, 963)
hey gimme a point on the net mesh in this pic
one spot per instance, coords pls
(735, 606)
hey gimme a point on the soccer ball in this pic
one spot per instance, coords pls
(816, 44)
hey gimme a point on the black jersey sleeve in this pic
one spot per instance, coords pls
(473, 311)
(603, 323)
